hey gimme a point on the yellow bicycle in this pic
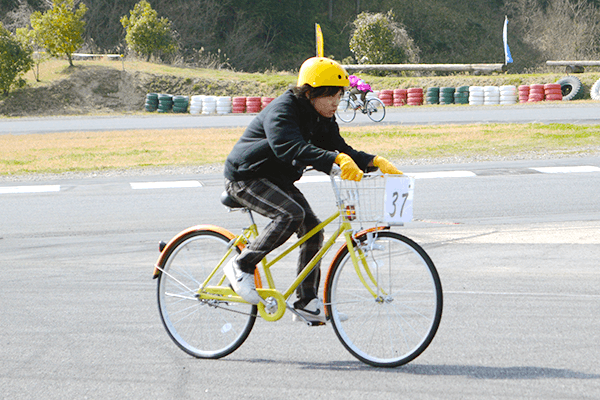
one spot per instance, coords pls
(384, 284)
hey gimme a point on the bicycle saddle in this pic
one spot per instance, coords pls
(228, 201)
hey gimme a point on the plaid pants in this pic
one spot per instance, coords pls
(289, 212)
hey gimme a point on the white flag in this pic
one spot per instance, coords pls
(507, 56)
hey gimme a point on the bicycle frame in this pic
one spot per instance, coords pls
(219, 292)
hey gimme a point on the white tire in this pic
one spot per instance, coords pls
(595, 90)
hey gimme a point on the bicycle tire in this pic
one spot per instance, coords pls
(346, 111)
(395, 327)
(375, 109)
(203, 329)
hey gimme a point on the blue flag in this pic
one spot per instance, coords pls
(507, 56)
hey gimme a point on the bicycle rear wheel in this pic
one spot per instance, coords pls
(375, 110)
(346, 111)
(393, 323)
(201, 328)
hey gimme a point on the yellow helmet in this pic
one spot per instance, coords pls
(322, 71)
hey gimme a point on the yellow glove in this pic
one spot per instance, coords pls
(350, 170)
(385, 166)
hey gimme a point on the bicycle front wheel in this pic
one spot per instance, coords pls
(201, 328)
(346, 111)
(375, 110)
(391, 309)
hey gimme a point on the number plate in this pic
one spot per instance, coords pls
(398, 199)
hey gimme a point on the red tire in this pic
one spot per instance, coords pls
(553, 91)
(554, 97)
(552, 86)
(535, 98)
(238, 101)
(414, 91)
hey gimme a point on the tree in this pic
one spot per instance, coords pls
(15, 60)
(146, 33)
(60, 30)
(29, 41)
(378, 39)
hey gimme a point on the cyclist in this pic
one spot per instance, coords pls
(359, 86)
(295, 130)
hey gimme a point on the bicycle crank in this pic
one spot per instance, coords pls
(272, 307)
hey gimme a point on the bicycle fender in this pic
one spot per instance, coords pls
(173, 242)
(341, 249)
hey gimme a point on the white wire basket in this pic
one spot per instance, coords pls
(376, 199)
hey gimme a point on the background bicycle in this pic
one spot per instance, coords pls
(349, 104)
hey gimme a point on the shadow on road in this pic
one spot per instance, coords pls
(475, 372)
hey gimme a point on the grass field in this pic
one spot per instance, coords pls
(88, 151)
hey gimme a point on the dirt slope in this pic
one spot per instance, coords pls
(97, 89)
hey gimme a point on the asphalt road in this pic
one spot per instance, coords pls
(560, 112)
(517, 249)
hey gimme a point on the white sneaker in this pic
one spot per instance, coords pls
(241, 282)
(315, 313)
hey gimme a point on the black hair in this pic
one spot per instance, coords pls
(308, 92)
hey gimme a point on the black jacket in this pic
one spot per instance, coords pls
(286, 136)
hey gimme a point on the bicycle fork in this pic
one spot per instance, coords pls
(360, 260)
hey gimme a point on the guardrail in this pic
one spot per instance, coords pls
(475, 68)
(574, 67)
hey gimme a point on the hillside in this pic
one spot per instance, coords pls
(259, 35)
(96, 88)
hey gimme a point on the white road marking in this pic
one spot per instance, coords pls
(442, 174)
(566, 170)
(165, 185)
(416, 175)
(29, 189)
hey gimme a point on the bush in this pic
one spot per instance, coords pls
(378, 39)
(15, 60)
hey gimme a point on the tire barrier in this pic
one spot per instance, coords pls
(387, 97)
(553, 92)
(508, 94)
(432, 95)
(447, 95)
(414, 97)
(253, 104)
(400, 97)
(524, 93)
(491, 95)
(595, 90)
(265, 101)
(223, 105)
(461, 95)
(567, 88)
(151, 102)
(536, 93)
(571, 88)
(238, 105)
(209, 105)
(196, 104)
(180, 104)
(476, 95)
(165, 103)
